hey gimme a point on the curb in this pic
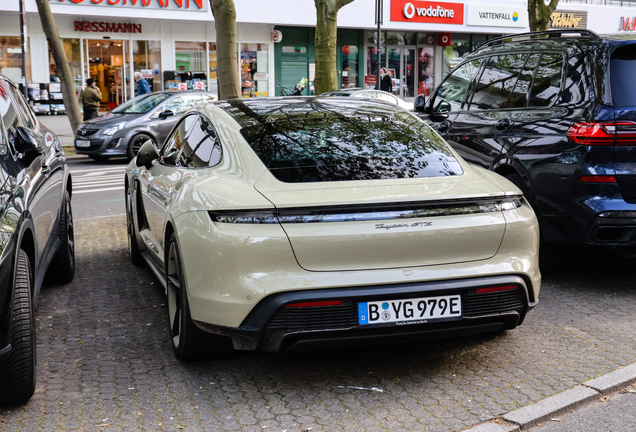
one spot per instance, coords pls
(532, 415)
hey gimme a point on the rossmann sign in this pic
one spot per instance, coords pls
(427, 12)
(172, 5)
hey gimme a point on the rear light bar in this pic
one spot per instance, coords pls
(496, 289)
(315, 304)
(603, 133)
(597, 179)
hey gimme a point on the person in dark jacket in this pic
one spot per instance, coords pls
(142, 85)
(386, 82)
(91, 99)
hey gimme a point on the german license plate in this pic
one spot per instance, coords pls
(80, 143)
(410, 311)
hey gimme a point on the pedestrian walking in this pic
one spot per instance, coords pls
(386, 83)
(91, 98)
(142, 85)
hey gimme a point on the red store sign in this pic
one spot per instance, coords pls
(104, 27)
(427, 12)
(627, 24)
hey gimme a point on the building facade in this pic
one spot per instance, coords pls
(173, 42)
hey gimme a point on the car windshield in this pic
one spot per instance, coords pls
(141, 104)
(349, 142)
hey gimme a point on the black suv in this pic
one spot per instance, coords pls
(36, 234)
(555, 113)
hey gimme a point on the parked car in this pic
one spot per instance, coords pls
(554, 112)
(122, 131)
(301, 222)
(36, 234)
(371, 94)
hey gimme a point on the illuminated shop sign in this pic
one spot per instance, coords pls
(496, 16)
(106, 27)
(627, 24)
(172, 5)
(427, 12)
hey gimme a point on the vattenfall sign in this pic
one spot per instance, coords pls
(427, 12)
(496, 16)
(172, 5)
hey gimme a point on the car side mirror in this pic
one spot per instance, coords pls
(420, 104)
(147, 153)
(165, 114)
(25, 140)
(443, 108)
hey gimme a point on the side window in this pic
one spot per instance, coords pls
(177, 140)
(452, 91)
(519, 95)
(497, 81)
(547, 81)
(201, 147)
(27, 115)
(181, 104)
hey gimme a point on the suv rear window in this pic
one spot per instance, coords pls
(353, 144)
(622, 79)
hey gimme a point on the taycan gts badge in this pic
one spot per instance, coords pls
(401, 225)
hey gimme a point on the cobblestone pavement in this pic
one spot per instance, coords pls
(105, 362)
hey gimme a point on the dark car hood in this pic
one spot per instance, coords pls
(111, 118)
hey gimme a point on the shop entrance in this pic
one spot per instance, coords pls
(104, 62)
(401, 66)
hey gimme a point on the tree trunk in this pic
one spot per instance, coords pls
(61, 63)
(539, 14)
(226, 48)
(326, 42)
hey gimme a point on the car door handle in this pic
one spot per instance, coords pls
(444, 126)
(502, 124)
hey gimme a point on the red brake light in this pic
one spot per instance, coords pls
(597, 179)
(496, 289)
(602, 133)
(625, 133)
(316, 303)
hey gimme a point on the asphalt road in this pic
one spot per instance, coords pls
(98, 187)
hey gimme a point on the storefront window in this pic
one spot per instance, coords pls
(72, 49)
(350, 66)
(425, 68)
(190, 56)
(254, 70)
(11, 59)
(106, 65)
(372, 37)
(401, 38)
(453, 54)
(147, 60)
(213, 85)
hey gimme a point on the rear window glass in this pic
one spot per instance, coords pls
(622, 80)
(350, 145)
(497, 81)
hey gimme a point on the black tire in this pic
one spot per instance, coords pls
(17, 372)
(133, 246)
(549, 254)
(99, 158)
(188, 341)
(135, 144)
(62, 266)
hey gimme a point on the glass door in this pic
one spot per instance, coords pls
(401, 67)
(105, 62)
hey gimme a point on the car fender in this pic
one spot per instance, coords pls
(142, 130)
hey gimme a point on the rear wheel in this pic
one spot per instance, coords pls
(62, 267)
(549, 255)
(188, 341)
(17, 372)
(135, 144)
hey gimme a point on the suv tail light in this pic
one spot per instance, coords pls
(603, 133)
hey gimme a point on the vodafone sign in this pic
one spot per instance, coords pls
(427, 12)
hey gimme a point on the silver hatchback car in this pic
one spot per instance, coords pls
(122, 131)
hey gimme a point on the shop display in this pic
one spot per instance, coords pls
(44, 100)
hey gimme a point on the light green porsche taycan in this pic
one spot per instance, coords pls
(298, 223)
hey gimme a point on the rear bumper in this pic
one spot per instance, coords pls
(273, 327)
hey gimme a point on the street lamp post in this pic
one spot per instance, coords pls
(22, 46)
(378, 20)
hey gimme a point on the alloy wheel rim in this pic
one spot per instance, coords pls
(173, 282)
(137, 144)
(129, 223)
(69, 230)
